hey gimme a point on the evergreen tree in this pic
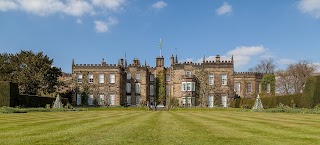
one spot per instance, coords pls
(32, 71)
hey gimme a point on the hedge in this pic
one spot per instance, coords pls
(8, 93)
(9, 96)
(36, 101)
(4, 93)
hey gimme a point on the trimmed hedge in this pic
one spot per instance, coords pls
(309, 99)
(311, 92)
(272, 102)
(4, 93)
(9, 96)
(36, 101)
(8, 93)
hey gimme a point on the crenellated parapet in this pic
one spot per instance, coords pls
(206, 64)
(95, 66)
(248, 74)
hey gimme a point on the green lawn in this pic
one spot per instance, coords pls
(160, 127)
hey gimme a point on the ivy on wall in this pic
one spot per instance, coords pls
(266, 80)
(160, 87)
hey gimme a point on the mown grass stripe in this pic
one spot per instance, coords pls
(160, 127)
(47, 131)
(265, 130)
(273, 121)
(42, 118)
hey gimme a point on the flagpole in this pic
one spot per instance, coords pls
(160, 46)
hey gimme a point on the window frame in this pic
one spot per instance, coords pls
(249, 87)
(79, 101)
(101, 99)
(224, 101)
(151, 78)
(268, 89)
(224, 80)
(101, 79)
(138, 88)
(128, 87)
(167, 77)
(129, 100)
(128, 76)
(167, 90)
(151, 89)
(188, 73)
(188, 86)
(112, 78)
(90, 78)
(211, 79)
(138, 99)
(90, 99)
(112, 101)
(210, 101)
(138, 77)
(79, 78)
(238, 86)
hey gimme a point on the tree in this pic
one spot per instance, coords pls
(51, 82)
(161, 89)
(265, 66)
(299, 73)
(284, 82)
(6, 69)
(32, 71)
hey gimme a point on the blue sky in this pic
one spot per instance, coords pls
(89, 30)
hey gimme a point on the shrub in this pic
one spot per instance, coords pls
(6, 109)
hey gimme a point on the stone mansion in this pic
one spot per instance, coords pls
(135, 84)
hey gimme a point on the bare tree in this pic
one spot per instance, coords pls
(299, 73)
(284, 83)
(264, 66)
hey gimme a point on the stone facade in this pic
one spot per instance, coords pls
(247, 84)
(135, 84)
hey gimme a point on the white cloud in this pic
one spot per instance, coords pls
(159, 5)
(311, 7)
(224, 9)
(41, 7)
(77, 8)
(243, 54)
(48, 7)
(109, 4)
(79, 21)
(103, 26)
(287, 61)
(69, 7)
(6, 5)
